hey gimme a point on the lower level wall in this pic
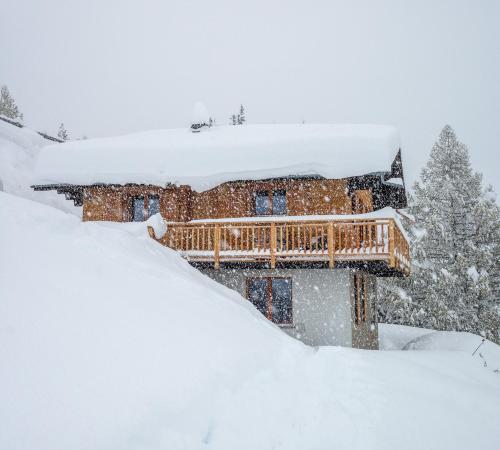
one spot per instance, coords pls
(322, 311)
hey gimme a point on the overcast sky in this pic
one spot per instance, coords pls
(111, 67)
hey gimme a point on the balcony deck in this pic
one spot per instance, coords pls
(285, 241)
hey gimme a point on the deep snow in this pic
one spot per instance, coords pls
(220, 154)
(110, 341)
(19, 152)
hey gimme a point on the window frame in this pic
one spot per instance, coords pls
(132, 207)
(148, 208)
(269, 297)
(146, 205)
(263, 193)
(269, 193)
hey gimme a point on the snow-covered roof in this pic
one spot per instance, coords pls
(223, 153)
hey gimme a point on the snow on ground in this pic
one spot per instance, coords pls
(399, 337)
(111, 341)
(395, 337)
(220, 154)
(19, 151)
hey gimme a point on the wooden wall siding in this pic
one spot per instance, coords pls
(103, 204)
(303, 197)
(115, 203)
(362, 201)
(233, 199)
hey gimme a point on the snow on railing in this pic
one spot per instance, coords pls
(377, 239)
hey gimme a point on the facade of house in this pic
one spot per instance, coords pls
(269, 211)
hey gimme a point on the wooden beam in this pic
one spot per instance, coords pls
(357, 287)
(273, 245)
(331, 245)
(217, 247)
(392, 257)
(366, 297)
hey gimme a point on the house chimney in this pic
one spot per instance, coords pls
(201, 118)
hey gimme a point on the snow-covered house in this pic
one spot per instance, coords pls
(300, 219)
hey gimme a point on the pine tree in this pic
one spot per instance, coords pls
(241, 116)
(8, 107)
(62, 133)
(455, 245)
(233, 119)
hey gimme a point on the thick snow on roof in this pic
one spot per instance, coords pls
(219, 154)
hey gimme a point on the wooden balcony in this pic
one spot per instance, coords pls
(285, 241)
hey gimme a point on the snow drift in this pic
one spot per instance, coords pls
(226, 153)
(111, 341)
(400, 337)
(19, 151)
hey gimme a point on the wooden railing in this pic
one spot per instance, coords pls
(377, 239)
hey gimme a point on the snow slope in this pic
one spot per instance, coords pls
(110, 341)
(220, 154)
(400, 337)
(395, 337)
(19, 151)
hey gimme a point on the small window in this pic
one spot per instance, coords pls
(138, 209)
(272, 297)
(257, 294)
(281, 300)
(144, 207)
(270, 203)
(279, 203)
(262, 203)
(361, 297)
(153, 205)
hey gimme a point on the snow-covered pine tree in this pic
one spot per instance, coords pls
(233, 119)
(455, 244)
(241, 116)
(8, 107)
(62, 133)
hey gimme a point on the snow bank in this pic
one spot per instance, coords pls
(400, 337)
(112, 341)
(158, 224)
(487, 352)
(395, 337)
(204, 160)
(19, 150)
(384, 213)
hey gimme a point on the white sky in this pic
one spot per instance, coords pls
(114, 66)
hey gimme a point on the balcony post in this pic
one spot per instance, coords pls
(392, 256)
(273, 245)
(217, 247)
(331, 245)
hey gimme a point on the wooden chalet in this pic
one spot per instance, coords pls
(262, 221)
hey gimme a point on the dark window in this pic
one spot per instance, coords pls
(262, 203)
(145, 207)
(281, 300)
(279, 203)
(257, 293)
(272, 297)
(153, 205)
(361, 297)
(138, 209)
(270, 202)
